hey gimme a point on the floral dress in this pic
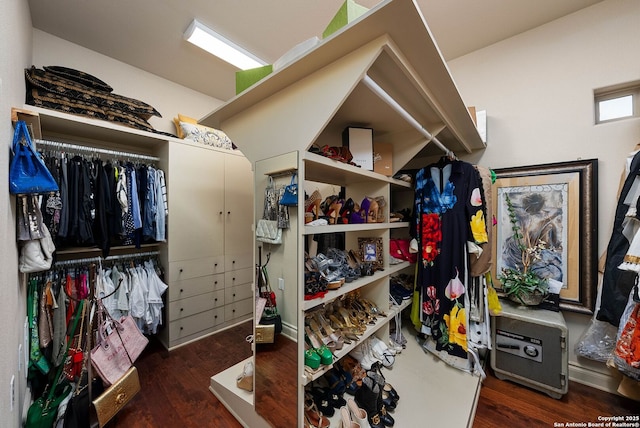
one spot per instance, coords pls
(449, 212)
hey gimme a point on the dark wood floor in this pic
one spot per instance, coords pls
(506, 404)
(175, 392)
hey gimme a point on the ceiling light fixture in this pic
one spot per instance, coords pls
(218, 45)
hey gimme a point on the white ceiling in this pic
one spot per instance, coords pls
(148, 34)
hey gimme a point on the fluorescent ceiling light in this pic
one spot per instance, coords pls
(218, 45)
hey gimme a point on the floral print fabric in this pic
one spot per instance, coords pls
(449, 212)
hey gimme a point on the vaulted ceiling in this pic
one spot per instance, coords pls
(148, 34)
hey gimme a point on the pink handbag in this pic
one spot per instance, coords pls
(120, 343)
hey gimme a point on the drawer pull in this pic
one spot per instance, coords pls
(220, 212)
(215, 300)
(233, 261)
(181, 270)
(181, 328)
(181, 290)
(234, 278)
(181, 309)
(228, 212)
(234, 294)
(215, 282)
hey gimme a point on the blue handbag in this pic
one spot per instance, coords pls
(290, 196)
(27, 173)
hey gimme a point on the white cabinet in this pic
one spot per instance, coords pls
(209, 241)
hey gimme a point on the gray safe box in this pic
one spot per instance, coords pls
(530, 348)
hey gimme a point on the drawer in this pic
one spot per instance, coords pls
(194, 286)
(238, 309)
(194, 268)
(196, 304)
(238, 261)
(189, 325)
(238, 277)
(239, 292)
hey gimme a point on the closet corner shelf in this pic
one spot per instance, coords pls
(324, 170)
(356, 284)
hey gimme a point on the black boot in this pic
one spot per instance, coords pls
(387, 387)
(367, 398)
(389, 402)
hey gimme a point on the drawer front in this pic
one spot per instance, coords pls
(238, 277)
(196, 304)
(194, 268)
(238, 309)
(189, 325)
(238, 261)
(237, 293)
(192, 287)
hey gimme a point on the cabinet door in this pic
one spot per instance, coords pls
(238, 214)
(196, 202)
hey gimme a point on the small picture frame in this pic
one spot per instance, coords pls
(371, 251)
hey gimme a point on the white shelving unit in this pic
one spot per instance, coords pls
(383, 71)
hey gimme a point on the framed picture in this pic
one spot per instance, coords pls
(557, 202)
(371, 251)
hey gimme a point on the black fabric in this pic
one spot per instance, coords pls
(614, 297)
(80, 409)
(79, 76)
(105, 101)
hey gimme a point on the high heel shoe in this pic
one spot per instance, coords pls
(358, 413)
(311, 357)
(346, 331)
(372, 212)
(333, 334)
(313, 415)
(326, 356)
(312, 206)
(346, 419)
(334, 211)
(345, 211)
(382, 203)
(245, 379)
(332, 341)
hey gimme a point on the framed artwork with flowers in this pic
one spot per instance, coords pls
(555, 207)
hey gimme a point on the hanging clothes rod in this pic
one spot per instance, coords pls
(110, 258)
(371, 84)
(76, 147)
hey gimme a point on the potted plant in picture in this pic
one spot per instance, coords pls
(520, 283)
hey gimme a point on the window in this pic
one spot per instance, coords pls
(617, 102)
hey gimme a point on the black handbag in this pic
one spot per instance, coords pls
(27, 173)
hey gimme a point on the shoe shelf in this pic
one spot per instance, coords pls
(339, 354)
(351, 286)
(322, 169)
(333, 228)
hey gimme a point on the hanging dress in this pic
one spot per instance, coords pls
(449, 212)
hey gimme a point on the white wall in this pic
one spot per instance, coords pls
(537, 89)
(167, 97)
(15, 54)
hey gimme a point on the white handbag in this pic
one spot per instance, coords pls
(36, 255)
(268, 231)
